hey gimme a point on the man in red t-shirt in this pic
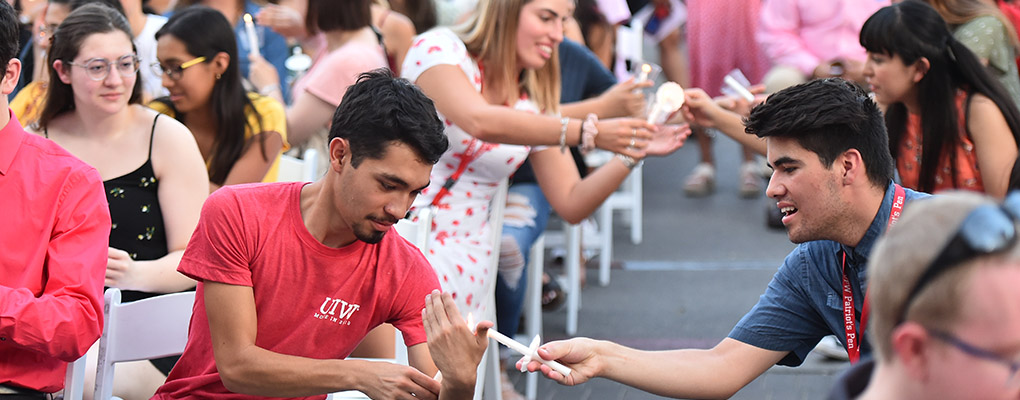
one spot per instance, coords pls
(54, 242)
(292, 276)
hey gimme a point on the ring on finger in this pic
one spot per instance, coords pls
(632, 142)
(633, 132)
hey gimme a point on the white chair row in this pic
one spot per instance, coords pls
(157, 327)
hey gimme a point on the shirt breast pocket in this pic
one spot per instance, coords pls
(834, 300)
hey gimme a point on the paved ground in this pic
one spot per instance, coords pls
(702, 264)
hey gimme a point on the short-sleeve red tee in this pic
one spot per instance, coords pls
(311, 300)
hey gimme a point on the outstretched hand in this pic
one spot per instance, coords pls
(578, 354)
(627, 136)
(283, 20)
(626, 98)
(668, 139)
(739, 104)
(455, 349)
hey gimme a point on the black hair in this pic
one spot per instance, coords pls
(86, 21)
(589, 17)
(10, 29)
(913, 30)
(76, 4)
(228, 99)
(828, 117)
(380, 109)
(421, 12)
(331, 15)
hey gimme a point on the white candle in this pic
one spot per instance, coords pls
(740, 89)
(643, 75)
(253, 38)
(520, 348)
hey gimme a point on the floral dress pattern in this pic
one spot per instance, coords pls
(461, 238)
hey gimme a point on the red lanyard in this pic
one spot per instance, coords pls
(853, 344)
(469, 154)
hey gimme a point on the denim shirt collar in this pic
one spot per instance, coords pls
(859, 255)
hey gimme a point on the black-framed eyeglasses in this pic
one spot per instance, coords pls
(988, 229)
(975, 351)
(175, 73)
(99, 68)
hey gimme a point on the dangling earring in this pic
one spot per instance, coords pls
(218, 76)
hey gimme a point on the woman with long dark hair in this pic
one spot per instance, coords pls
(241, 134)
(951, 124)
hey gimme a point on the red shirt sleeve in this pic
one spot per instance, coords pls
(219, 248)
(421, 280)
(68, 317)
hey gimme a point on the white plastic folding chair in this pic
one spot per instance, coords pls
(533, 305)
(141, 330)
(74, 379)
(487, 385)
(293, 169)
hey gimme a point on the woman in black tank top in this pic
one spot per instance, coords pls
(154, 177)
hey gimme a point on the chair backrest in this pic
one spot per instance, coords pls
(141, 330)
(417, 231)
(293, 169)
(629, 47)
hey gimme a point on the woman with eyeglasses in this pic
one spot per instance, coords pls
(152, 170)
(241, 134)
(951, 124)
(28, 103)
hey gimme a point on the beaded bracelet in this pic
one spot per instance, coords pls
(588, 132)
(563, 134)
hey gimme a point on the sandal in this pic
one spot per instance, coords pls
(701, 181)
(552, 295)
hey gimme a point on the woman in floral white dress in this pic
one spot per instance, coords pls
(495, 83)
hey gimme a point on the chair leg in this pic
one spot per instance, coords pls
(636, 211)
(533, 305)
(574, 272)
(606, 243)
(488, 384)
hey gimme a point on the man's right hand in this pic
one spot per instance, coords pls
(386, 380)
(579, 354)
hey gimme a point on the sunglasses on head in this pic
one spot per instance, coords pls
(988, 229)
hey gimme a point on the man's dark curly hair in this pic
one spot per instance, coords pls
(380, 109)
(828, 117)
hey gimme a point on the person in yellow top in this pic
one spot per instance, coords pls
(29, 101)
(241, 135)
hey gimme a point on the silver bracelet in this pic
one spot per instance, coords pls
(269, 89)
(629, 161)
(563, 134)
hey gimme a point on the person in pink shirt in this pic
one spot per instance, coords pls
(806, 39)
(53, 248)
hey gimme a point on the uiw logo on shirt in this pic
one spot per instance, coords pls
(336, 311)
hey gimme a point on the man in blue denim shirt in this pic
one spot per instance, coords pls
(827, 143)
